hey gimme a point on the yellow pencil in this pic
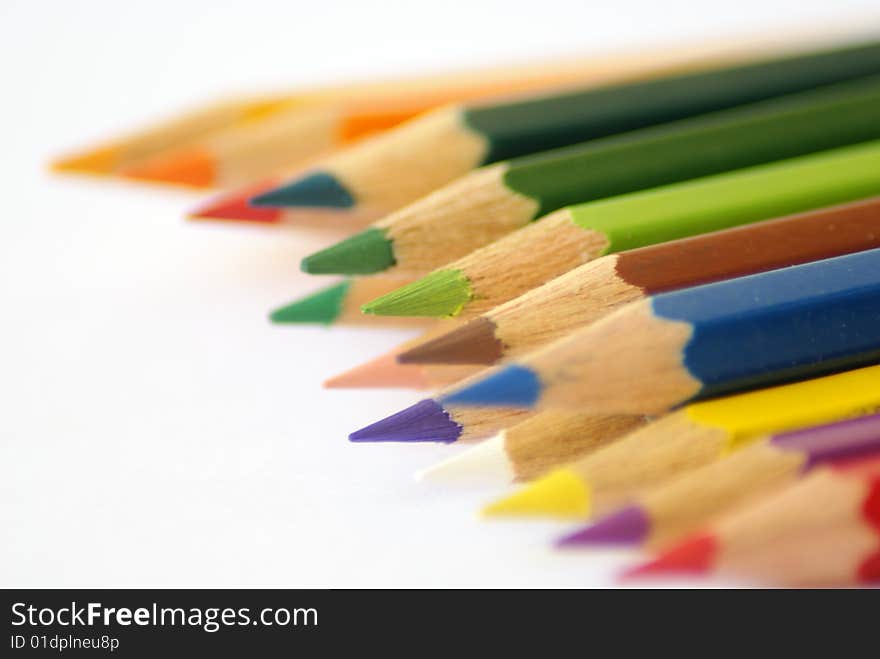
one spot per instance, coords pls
(689, 438)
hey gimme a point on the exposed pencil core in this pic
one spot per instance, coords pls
(512, 386)
(440, 294)
(560, 494)
(96, 161)
(235, 209)
(193, 167)
(628, 526)
(322, 307)
(317, 190)
(235, 206)
(692, 557)
(426, 421)
(383, 372)
(364, 253)
(473, 343)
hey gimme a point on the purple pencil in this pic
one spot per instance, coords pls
(435, 420)
(686, 503)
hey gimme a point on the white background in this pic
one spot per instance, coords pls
(154, 428)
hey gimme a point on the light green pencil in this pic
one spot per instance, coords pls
(575, 235)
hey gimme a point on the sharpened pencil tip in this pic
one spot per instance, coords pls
(484, 464)
(441, 294)
(191, 167)
(364, 253)
(322, 307)
(512, 386)
(628, 526)
(560, 494)
(693, 556)
(473, 343)
(426, 421)
(316, 190)
(97, 161)
(235, 207)
(383, 372)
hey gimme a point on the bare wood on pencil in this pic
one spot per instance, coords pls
(296, 137)
(456, 219)
(669, 446)
(619, 363)
(527, 258)
(481, 422)
(718, 487)
(572, 300)
(810, 534)
(555, 437)
(378, 167)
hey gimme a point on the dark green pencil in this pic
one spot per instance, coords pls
(494, 201)
(408, 162)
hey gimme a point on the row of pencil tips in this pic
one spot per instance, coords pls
(649, 287)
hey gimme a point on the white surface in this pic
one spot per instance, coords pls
(154, 428)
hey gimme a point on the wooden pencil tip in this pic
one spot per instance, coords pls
(316, 190)
(381, 373)
(441, 294)
(561, 494)
(193, 167)
(473, 343)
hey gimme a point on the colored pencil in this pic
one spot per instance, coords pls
(242, 154)
(531, 448)
(234, 206)
(384, 371)
(595, 289)
(111, 157)
(489, 203)
(576, 235)
(356, 109)
(710, 340)
(687, 439)
(435, 420)
(339, 117)
(684, 504)
(822, 531)
(338, 304)
(421, 155)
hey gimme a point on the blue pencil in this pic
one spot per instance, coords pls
(701, 342)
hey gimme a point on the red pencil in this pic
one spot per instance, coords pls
(822, 531)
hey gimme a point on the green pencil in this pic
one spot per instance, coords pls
(575, 235)
(493, 201)
(420, 156)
